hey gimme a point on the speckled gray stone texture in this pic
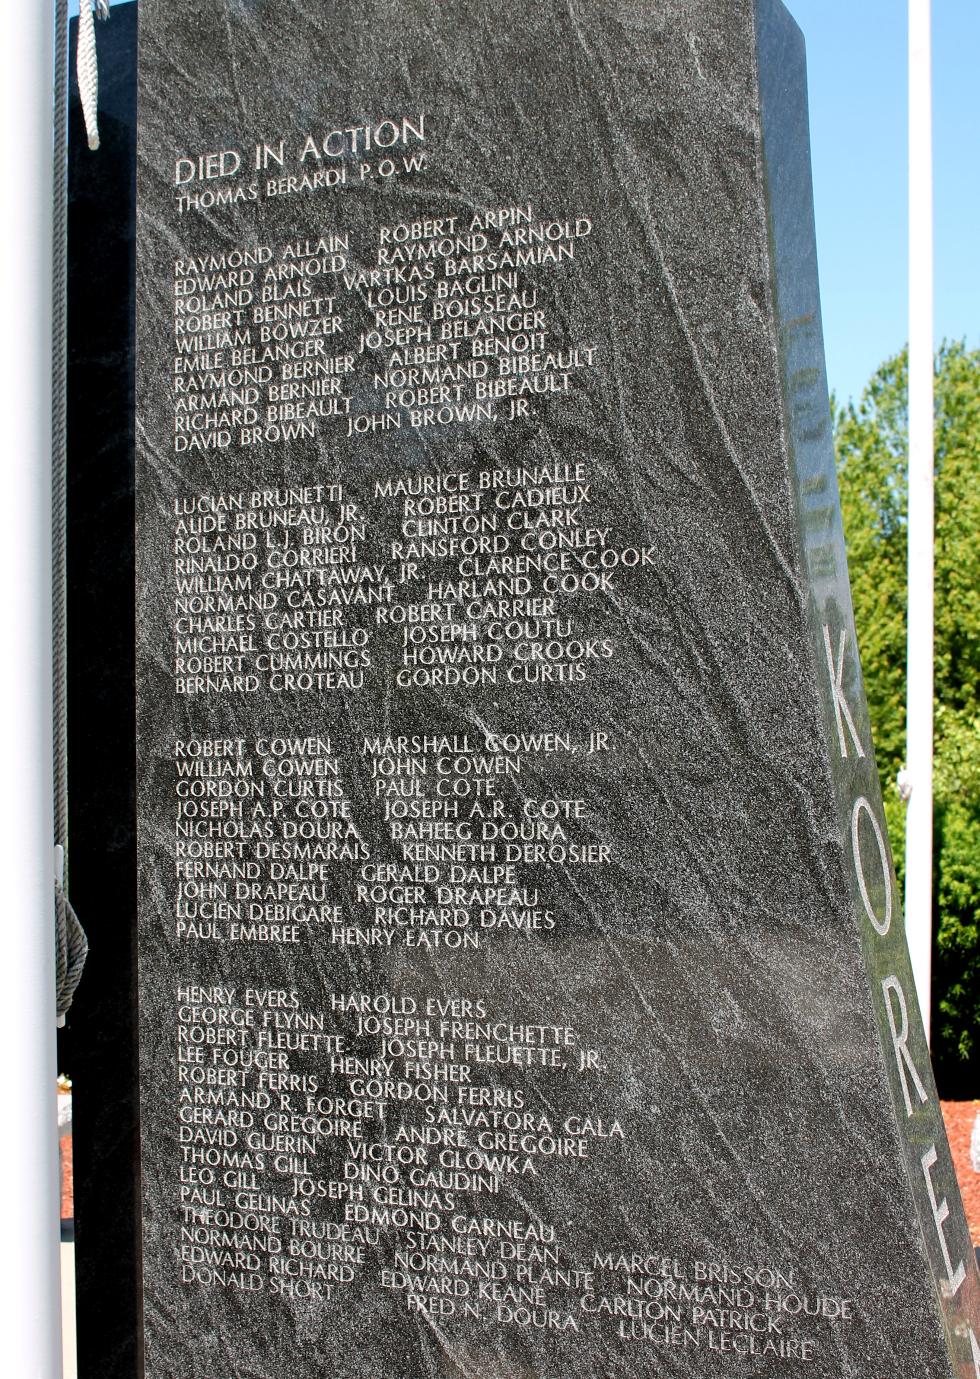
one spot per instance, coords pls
(721, 961)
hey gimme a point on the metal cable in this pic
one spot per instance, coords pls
(71, 945)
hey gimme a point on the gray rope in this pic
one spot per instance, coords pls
(71, 945)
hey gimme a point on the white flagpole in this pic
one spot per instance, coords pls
(30, 1337)
(919, 728)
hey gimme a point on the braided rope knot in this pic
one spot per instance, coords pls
(70, 952)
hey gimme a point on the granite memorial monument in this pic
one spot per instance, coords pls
(522, 982)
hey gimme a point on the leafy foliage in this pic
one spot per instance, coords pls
(872, 457)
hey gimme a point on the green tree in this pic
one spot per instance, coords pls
(872, 458)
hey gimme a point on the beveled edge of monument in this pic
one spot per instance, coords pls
(903, 1054)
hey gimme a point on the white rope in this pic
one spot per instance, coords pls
(88, 67)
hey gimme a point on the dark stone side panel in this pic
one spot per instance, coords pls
(98, 1046)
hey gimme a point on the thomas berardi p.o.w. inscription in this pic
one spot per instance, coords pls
(523, 990)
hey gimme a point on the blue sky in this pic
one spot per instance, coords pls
(857, 56)
(856, 52)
